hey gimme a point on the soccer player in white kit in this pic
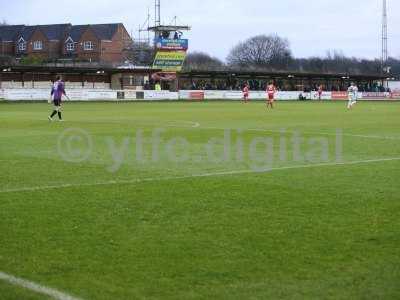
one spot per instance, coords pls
(353, 95)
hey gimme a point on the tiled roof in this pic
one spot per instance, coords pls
(54, 32)
(75, 32)
(104, 31)
(57, 31)
(9, 33)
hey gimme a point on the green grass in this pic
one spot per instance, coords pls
(152, 230)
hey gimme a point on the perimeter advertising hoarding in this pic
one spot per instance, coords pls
(169, 60)
(191, 95)
(395, 95)
(374, 96)
(340, 95)
(324, 95)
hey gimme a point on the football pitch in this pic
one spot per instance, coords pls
(213, 200)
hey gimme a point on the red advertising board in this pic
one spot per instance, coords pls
(340, 96)
(196, 95)
(395, 95)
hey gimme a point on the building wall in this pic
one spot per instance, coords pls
(43, 79)
(113, 51)
(38, 36)
(7, 48)
(90, 55)
(48, 77)
(54, 49)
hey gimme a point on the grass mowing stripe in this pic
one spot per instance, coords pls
(238, 172)
(310, 132)
(55, 294)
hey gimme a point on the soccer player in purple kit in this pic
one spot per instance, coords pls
(57, 91)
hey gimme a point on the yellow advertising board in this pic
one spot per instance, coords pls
(169, 60)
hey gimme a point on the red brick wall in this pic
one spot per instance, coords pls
(49, 77)
(38, 36)
(7, 48)
(11, 77)
(54, 49)
(113, 51)
(94, 54)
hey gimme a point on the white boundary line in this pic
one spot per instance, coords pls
(192, 123)
(283, 130)
(55, 294)
(215, 174)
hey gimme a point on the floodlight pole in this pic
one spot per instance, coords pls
(384, 57)
(157, 13)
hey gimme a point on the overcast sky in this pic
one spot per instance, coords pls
(312, 26)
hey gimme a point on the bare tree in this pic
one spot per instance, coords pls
(336, 62)
(273, 53)
(394, 64)
(261, 51)
(202, 61)
(140, 54)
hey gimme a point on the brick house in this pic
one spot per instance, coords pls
(43, 41)
(99, 42)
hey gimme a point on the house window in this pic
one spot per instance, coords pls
(88, 46)
(70, 46)
(37, 45)
(22, 46)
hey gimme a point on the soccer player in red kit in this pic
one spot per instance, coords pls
(246, 93)
(271, 90)
(320, 90)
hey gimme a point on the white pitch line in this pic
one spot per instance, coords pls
(198, 125)
(193, 124)
(53, 293)
(283, 130)
(215, 174)
(373, 136)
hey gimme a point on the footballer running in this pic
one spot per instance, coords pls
(271, 90)
(246, 93)
(57, 91)
(353, 95)
(320, 91)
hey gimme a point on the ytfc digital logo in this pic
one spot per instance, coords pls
(261, 153)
